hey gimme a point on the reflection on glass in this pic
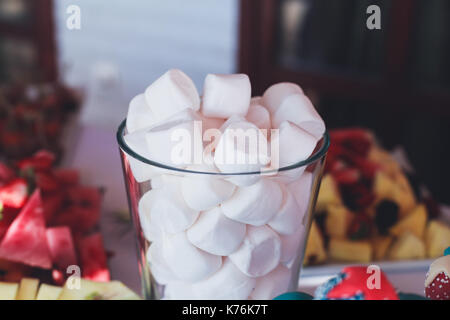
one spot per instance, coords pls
(330, 36)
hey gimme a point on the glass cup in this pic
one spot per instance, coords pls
(187, 253)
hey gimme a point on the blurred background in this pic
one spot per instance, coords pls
(394, 81)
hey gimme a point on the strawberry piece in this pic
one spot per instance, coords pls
(347, 176)
(6, 174)
(68, 177)
(41, 160)
(93, 258)
(46, 181)
(439, 288)
(52, 203)
(60, 244)
(83, 210)
(14, 194)
(25, 239)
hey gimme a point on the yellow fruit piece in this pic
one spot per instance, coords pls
(91, 290)
(27, 289)
(345, 250)
(384, 186)
(328, 193)
(380, 247)
(437, 238)
(48, 292)
(403, 194)
(337, 221)
(8, 290)
(407, 246)
(384, 159)
(414, 222)
(315, 251)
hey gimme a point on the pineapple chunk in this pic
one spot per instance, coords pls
(27, 289)
(380, 247)
(383, 186)
(408, 246)
(91, 290)
(385, 160)
(345, 250)
(337, 221)
(437, 238)
(315, 251)
(328, 193)
(414, 222)
(48, 292)
(8, 290)
(404, 194)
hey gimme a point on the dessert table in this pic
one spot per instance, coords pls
(94, 151)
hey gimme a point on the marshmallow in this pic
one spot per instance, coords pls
(186, 261)
(152, 231)
(259, 253)
(301, 190)
(226, 95)
(173, 92)
(256, 204)
(295, 144)
(259, 116)
(158, 266)
(298, 109)
(290, 245)
(226, 284)
(178, 290)
(289, 217)
(241, 148)
(169, 210)
(141, 171)
(140, 115)
(213, 232)
(274, 96)
(272, 284)
(202, 192)
(175, 143)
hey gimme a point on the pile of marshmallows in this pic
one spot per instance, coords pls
(222, 237)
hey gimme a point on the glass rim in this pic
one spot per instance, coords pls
(318, 154)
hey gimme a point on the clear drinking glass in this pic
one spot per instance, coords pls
(143, 176)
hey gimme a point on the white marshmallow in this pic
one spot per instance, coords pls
(259, 253)
(152, 231)
(290, 245)
(213, 232)
(140, 115)
(202, 192)
(295, 144)
(256, 204)
(173, 92)
(175, 143)
(226, 95)
(141, 171)
(211, 123)
(301, 190)
(274, 96)
(298, 109)
(178, 290)
(241, 148)
(169, 210)
(226, 284)
(289, 217)
(158, 266)
(186, 261)
(259, 116)
(272, 284)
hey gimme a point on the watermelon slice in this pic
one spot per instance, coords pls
(52, 203)
(25, 239)
(83, 210)
(68, 177)
(60, 244)
(93, 258)
(14, 194)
